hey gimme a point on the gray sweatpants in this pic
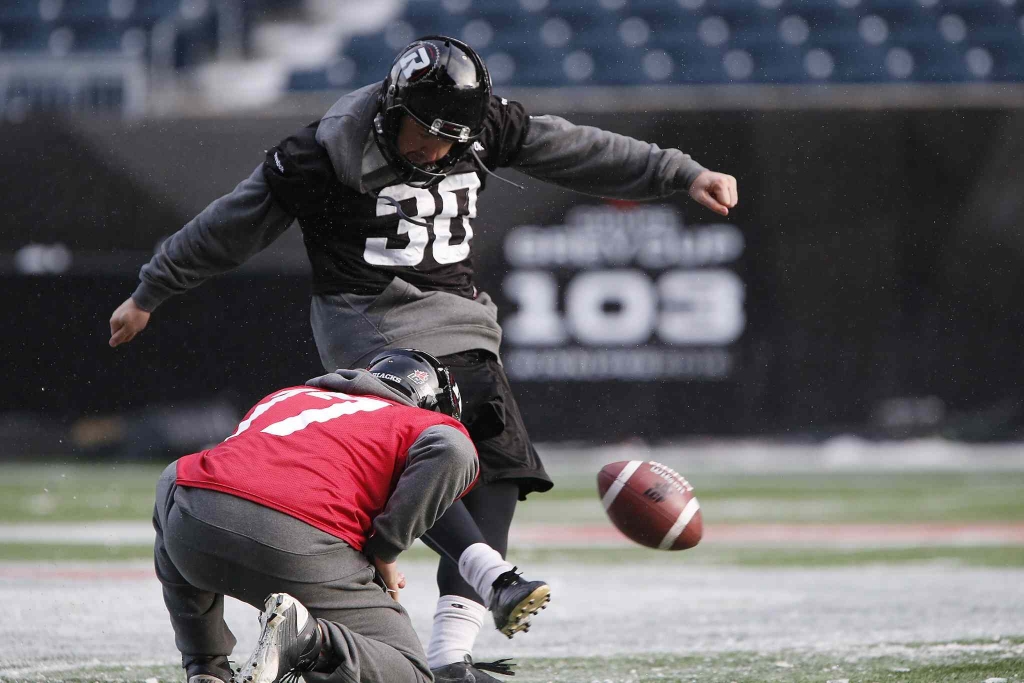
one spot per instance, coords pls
(211, 544)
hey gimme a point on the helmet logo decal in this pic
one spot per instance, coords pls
(416, 63)
(418, 377)
(388, 376)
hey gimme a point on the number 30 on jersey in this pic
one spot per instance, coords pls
(450, 190)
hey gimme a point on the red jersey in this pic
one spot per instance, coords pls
(327, 458)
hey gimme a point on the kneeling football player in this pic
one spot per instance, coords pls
(302, 513)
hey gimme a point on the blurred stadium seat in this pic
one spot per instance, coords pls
(106, 38)
(564, 43)
(623, 42)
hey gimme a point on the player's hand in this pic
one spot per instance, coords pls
(393, 579)
(717, 191)
(128, 320)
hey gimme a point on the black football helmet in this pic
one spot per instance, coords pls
(443, 84)
(420, 377)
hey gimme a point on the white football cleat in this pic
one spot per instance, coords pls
(290, 642)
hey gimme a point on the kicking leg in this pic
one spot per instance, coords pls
(497, 429)
(482, 517)
(473, 576)
(460, 611)
(457, 537)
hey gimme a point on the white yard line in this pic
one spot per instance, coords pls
(597, 535)
(87, 533)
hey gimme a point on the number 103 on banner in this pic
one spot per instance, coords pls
(624, 307)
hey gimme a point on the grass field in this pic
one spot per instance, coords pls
(969, 662)
(30, 493)
(63, 493)
(859, 612)
(76, 494)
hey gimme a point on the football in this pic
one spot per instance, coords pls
(651, 504)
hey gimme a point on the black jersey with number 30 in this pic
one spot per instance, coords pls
(358, 243)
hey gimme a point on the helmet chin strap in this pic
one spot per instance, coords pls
(480, 164)
(483, 167)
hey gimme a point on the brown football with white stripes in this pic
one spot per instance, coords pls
(651, 504)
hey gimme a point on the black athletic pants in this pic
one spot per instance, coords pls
(509, 468)
(484, 515)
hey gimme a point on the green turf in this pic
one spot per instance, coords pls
(125, 492)
(985, 556)
(65, 493)
(822, 497)
(925, 663)
(53, 552)
(989, 556)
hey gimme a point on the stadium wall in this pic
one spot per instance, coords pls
(868, 282)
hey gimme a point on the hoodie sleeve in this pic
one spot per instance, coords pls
(223, 236)
(440, 467)
(598, 162)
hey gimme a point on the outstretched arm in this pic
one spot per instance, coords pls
(598, 162)
(223, 236)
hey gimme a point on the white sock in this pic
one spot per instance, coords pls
(480, 565)
(457, 623)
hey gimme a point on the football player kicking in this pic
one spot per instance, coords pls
(302, 513)
(384, 188)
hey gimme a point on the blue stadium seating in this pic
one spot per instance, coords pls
(599, 42)
(1008, 57)
(21, 35)
(309, 79)
(47, 27)
(20, 9)
(617, 42)
(85, 10)
(155, 10)
(770, 62)
(538, 66)
(698, 64)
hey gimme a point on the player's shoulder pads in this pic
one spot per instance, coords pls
(505, 128)
(301, 176)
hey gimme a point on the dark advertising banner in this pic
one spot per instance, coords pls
(868, 282)
(623, 293)
(617, 316)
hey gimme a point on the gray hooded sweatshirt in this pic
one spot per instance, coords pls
(351, 328)
(440, 465)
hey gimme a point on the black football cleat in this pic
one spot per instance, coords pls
(290, 642)
(468, 671)
(214, 669)
(514, 601)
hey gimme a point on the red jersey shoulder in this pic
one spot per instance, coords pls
(294, 408)
(428, 418)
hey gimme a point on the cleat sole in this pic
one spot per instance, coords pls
(271, 621)
(519, 618)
